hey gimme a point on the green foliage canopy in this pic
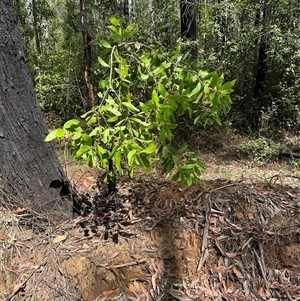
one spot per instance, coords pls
(142, 93)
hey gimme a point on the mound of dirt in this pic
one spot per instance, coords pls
(219, 240)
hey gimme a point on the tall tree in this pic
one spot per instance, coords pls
(87, 55)
(29, 167)
(188, 24)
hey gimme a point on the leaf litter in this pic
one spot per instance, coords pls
(219, 240)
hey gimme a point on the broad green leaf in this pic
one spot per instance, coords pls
(87, 139)
(130, 156)
(90, 159)
(76, 136)
(128, 31)
(155, 97)
(51, 136)
(140, 121)
(91, 120)
(175, 160)
(112, 119)
(195, 91)
(165, 152)
(188, 166)
(181, 149)
(100, 60)
(115, 111)
(149, 149)
(84, 149)
(130, 106)
(118, 159)
(176, 176)
(105, 136)
(188, 180)
(228, 86)
(114, 21)
(161, 89)
(144, 162)
(105, 44)
(60, 133)
(71, 124)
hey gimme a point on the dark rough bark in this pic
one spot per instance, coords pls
(87, 56)
(188, 25)
(28, 165)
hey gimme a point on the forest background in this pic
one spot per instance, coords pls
(254, 42)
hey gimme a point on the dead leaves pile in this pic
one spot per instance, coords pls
(248, 246)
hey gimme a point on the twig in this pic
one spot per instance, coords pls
(143, 260)
(204, 248)
(24, 282)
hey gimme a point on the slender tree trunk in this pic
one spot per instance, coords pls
(261, 69)
(188, 25)
(30, 174)
(125, 12)
(87, 56)
(36, 27)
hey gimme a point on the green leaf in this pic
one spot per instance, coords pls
(87, 139)
(76, 136)
(112, 119)
(84, 149)
(90, 159)
(91, 120)
(72, 124)
(175, 160)
(149, 149)
(120, 72)
(114, 21)
(100, 60)
(188, 179)
(144, 162)
(181, 149)
(115, 111)
(188, 166)
(105, 44)
(52, 135)
(105, 136)
(176, 176)
(131, 156)
(128, 31)
(165, 152)
(130, 106)
(155, 97)
(118, 160)
(161, 89)
(195, 91)
(227, 86)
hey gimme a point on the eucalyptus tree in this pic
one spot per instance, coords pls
(30, 173)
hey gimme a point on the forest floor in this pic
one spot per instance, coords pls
(233, 236)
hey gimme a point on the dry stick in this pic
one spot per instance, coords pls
(143, 260)
(204, 248)
(261, 263)
(24, 282)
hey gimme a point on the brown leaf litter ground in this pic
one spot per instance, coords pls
(223, 239)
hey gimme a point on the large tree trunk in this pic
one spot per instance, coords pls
(30, 174)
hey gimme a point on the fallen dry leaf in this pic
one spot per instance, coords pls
(4, 237)
(110, 293)
(20, 210)
(238, 273)
(59, 238)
